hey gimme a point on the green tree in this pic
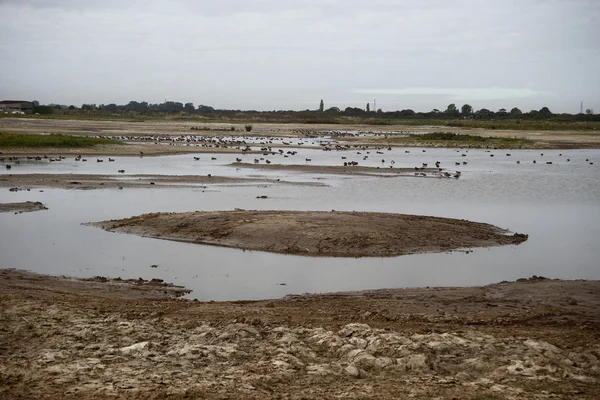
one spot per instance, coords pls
(544, 112)
(333, 110)
(589, 111)
(452, 111)
(321, 106)
(466, 109)
(515, 112)
(189, 107)
(368, 108)
(42, 110)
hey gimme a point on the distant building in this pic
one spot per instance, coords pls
(16, 106)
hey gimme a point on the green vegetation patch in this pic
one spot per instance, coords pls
(460, 137)
(52, 140)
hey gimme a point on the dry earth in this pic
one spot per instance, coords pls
(94, 181)
(26, 206)
(317, 233)
(531, 339)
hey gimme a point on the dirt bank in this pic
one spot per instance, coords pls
(317, 233)
(137, 149)
(93, 181)
(26, 206)
(535, 339)
(342, 170)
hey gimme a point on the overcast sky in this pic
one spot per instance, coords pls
(283, 54)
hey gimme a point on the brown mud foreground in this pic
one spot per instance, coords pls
(317, 233)
(25, 206)
(92, 181)
(531, 339)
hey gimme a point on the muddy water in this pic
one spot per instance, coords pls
(557, 204)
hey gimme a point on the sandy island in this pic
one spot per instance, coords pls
(535, 338)
(317, 233)
(26, 206)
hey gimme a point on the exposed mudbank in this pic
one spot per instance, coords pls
(536, 339)
(25, 206)
(317, 233)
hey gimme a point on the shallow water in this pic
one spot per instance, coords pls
(558, 205)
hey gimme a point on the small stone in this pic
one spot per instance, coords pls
(351, 370)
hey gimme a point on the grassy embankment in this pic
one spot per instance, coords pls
(12, 140)
(451, 139)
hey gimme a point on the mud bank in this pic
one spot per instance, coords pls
(94, 181)
(132, 149)
(317, 233)
(341, 170)
(26, 206)
(532, 339)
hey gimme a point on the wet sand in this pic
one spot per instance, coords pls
(137, 149)
(94, 181)
(317, 233)
(341, 170)
(26, 206)
(531, 339)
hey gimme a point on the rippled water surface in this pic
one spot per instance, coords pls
(557, 204)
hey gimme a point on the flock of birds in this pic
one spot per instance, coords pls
(268, 147)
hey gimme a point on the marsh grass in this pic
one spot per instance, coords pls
(451, 139)
(52, 140)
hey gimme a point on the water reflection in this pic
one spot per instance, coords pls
(557, 205)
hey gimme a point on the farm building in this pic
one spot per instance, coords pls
(19, 106)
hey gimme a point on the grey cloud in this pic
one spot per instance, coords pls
(282, 54)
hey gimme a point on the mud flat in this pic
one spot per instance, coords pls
(535, 338)
(341, 170)
(548, 139)
(317, 233)
(133, 149)
(26, 206)
(94, 181)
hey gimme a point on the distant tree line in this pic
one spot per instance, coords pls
(321, 114)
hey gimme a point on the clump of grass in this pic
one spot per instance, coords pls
(52, 140)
